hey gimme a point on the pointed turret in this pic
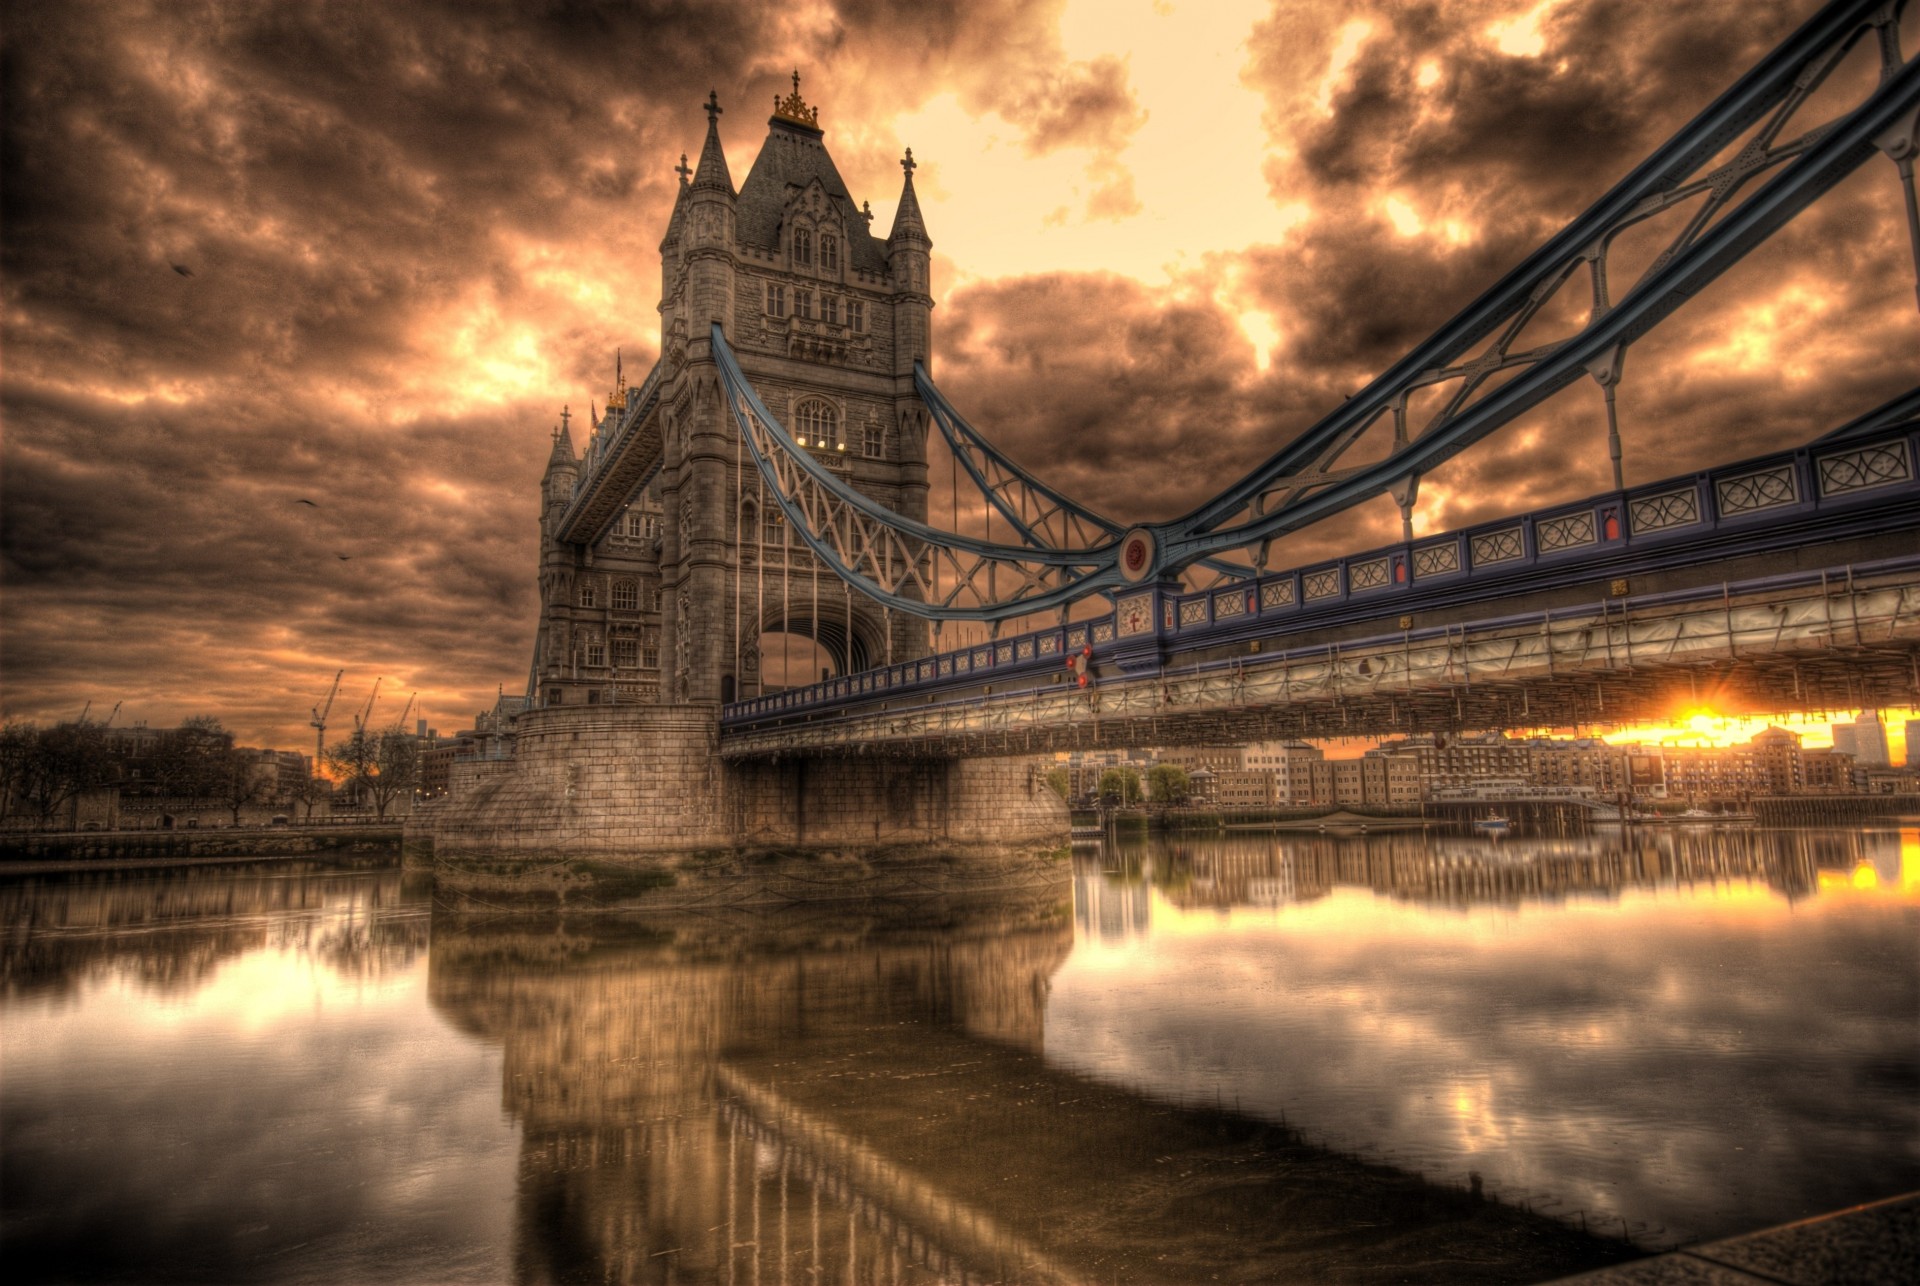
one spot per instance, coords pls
(562, 456)
(910, 263)
(908, 226)
(708, 242)
(711, 174)
(676, 222)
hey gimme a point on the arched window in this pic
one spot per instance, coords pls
(819, 424)
(626, 596)
(802, 246)
(875, 445)
(829, 252)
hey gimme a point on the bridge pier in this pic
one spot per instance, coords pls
(628, 806)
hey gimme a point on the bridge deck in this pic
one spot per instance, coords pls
(1607, 610)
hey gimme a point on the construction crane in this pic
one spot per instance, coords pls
(364, 719)
(112, 715)
(400, 724)
(319, 720)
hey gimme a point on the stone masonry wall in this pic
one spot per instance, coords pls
(638, 779)
(593, 778)
(882, 801)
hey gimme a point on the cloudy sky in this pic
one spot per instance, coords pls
(360, 254)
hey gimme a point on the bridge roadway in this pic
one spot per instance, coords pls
(1789, 581)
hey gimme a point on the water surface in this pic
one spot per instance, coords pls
(1282, 1058)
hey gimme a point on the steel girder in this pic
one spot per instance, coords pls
(1066, 552)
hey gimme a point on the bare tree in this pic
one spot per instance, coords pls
(48, 768)
(376, 766)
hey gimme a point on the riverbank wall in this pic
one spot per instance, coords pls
(1826, 810)
(636, 806)
(81, 847)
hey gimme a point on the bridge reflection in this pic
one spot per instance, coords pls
(854, 1096)
(1113, 889)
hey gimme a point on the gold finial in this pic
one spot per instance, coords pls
(794, 108)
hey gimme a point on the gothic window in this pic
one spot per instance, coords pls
(650, 652)
(830, 309)
(776, 300)
(587, 596)
(803, 304)
(626, 596)
(650, 526)
(626, 653)
(857, 314)
(830, 252)
(596, 652)
(875, 444)
(819, 423)
(653, 599)
(770, 527)
(802, 246)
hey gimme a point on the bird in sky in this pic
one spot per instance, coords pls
(304, 501)
(183, 270)
(344, 557)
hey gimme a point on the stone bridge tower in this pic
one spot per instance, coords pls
(827, 321)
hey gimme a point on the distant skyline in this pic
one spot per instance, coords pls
(294, 293)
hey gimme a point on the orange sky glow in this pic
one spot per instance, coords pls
(360, 255)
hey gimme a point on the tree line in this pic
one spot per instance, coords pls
(44, 771)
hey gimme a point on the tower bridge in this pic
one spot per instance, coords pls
(764, 490)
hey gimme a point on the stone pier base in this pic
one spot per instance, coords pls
(632, 806)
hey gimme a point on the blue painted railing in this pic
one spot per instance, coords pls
(1824, 490)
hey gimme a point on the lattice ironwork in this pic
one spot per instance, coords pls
(1668, 509)
(1372, 573)
(1569, 531)
(1436, 560)
(1481, 369)
(1874, 466)
(1765, 489)
(1320, 584)
(1498, 547)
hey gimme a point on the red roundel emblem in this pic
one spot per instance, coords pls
(1136, 554)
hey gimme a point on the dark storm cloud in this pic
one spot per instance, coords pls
(361, 253)
(1123, 393)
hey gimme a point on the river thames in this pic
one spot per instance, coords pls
(1250, 1056)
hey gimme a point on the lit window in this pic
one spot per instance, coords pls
(626, 653)
(857, 314)
(830, 309)
(802, 246)
(587, 597)
(626, 596)
(803, 304)
(819, 423)
(830, 253)
(776, 300)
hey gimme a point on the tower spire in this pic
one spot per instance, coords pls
(906, 219)
(712, 170)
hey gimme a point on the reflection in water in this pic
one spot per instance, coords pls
(1695, 1032)
(221, 1075)
(1282, 1058)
